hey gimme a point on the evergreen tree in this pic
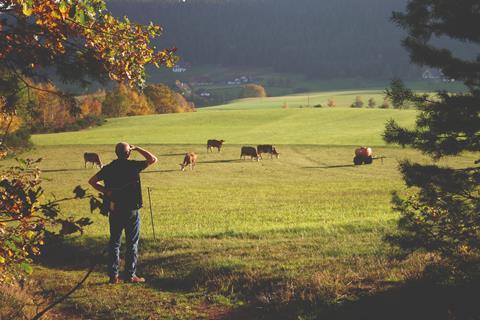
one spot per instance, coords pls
(443, 216)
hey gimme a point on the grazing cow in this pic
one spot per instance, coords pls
(93, 158)
(249, 151)
(267, 148)
(189, 160)
(214, 144)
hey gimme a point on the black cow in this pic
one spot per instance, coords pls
(214, 144)
(267, 148)
(249, 151)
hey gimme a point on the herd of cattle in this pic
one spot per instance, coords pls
(190, 158)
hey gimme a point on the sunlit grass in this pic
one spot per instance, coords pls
(322, 126)
(306, 227)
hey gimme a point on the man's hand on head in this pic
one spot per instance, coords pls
(151, 159)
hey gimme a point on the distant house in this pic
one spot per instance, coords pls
(234, 82)
(436, 75)
(432, 74)
(179, 68)
(203, 93)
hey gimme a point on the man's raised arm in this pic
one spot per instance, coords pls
(151, 159)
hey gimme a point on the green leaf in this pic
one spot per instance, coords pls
(63, 7)
(26, 9)
(80, 16)
(26, 267)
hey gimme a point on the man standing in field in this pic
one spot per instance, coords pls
(123, 191)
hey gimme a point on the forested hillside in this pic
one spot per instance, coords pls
(323, 39)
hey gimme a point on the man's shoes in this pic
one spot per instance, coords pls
(114, 280)
(136, 279)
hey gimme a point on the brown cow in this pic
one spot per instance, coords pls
(249, 151)
(189, 160)
(214, 144)
(93, 158)
(267, 148)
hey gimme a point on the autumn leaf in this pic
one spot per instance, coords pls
(26, 9)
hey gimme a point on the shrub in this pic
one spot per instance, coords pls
(83, 123)
(358, 103)
(27, 219)
(372, 103)
(19, 138)
(165, 100)
(123, 101)
(253, 91)
(331, 103)
(385, 104)
(90, 106)
(91, 121)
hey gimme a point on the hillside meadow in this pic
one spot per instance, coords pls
(287, 238)
(254, 121)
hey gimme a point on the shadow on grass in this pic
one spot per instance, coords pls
(73, 254)
(179, 267)
(416, 301)
(66, 170)
(220, 161)
(171, 154)
(333, 166)
(78, 253)
(157, 171)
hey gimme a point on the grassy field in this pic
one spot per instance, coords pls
(341, 98)
(249, 121)
(238, 239)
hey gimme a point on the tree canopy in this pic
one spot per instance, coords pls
(450, 123)
(79, 39)
(443, 216)
(73, 41)
(165, 100)
(252, 91)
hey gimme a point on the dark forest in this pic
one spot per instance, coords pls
(321, 39)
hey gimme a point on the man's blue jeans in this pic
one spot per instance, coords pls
(130, 221)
